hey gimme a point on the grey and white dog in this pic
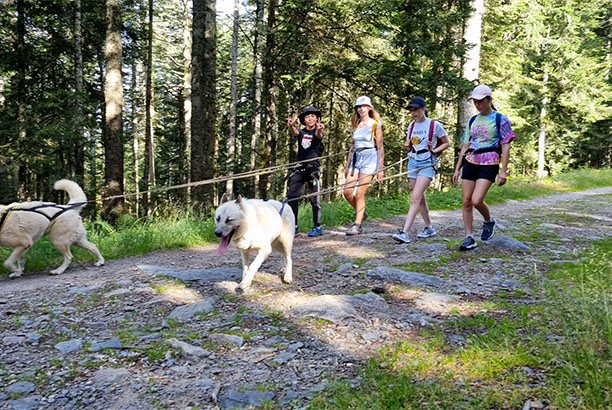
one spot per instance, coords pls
(254, 225)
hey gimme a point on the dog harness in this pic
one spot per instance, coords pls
(62, 209)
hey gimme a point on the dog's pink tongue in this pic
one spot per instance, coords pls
(223, 245)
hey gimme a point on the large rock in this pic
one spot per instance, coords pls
(338, 308)
(507, 242)
(244, 398)
(195, 275)
(188, 311)
(412, 278)
(69, 345)
(21, 388)
(188, 350)
(109, 376)
(436, 302)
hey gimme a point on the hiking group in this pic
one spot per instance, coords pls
(483, 158)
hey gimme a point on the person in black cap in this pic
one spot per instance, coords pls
(310, 146)
(425, 140)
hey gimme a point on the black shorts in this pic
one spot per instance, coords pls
(472, 172)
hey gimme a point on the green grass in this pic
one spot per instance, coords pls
(558, 351)
(138, 236)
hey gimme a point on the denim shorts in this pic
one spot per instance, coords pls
(367, 162)
(429, 172)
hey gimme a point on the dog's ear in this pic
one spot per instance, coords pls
(224, 198)
(239, 199)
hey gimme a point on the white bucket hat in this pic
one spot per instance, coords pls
(480, 92)
(363, 100)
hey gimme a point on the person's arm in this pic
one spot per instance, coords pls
(350, 155)
(503, 171)
(291, 123)
(320, 127)
(445, 143)
(464, 148)
(381, 152)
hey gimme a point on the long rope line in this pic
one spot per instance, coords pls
(242, 175)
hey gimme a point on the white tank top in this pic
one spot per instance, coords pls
(363, 137)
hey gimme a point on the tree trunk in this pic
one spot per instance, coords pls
(186, 97)
(148, 174)
(203, 100)
(231, 143)
(135, 142)
(257, 92)
(79, 151)
(113, 95)
(541, 173)
(270, 98)
(470, 66)
(22, 192)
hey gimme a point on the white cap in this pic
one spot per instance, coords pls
(363, 100)
(480, 92)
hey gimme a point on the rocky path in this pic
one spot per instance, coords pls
(166, 330)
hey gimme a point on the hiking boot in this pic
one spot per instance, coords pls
(297, 229)
(488, 229)
(316, 231)
(402, 237)
(354, 230)
(428, 231)
(469, 243)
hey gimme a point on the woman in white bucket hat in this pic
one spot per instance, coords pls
(484, 155)
(365, 159)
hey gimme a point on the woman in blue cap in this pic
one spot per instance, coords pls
(365, 159)
(425, 140)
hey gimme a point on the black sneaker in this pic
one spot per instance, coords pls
(488, 229)
(469, 243)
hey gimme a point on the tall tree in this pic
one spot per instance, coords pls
(149, 163)
(231, 143)
(186, 113)
(204, 95)
(113, 94)
(257, 70)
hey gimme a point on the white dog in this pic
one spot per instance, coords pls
(259, 226)
(23, 223)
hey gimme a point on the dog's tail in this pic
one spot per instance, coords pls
(75, 192)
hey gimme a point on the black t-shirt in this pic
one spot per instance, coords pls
(309, 145)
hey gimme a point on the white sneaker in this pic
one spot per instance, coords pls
(402, 237)
(427, 232)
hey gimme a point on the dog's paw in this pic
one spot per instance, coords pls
(15, 275)
(287, 279)
(56, 272)
(98, 264)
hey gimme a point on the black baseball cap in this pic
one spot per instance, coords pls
(417, 102)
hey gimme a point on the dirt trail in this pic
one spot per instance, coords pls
(112, 337)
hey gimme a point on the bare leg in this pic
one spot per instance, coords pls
(351, 181)
(467, 188)
(478, 195)
(417, 201)
(360, 196)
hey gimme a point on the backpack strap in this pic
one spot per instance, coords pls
(374, 129)
(432, 124)
(498, 118)
(410, 128)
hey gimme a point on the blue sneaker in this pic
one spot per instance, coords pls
(469, 243)
(401, 237)
(297, 229)
(316, 231)
(488, 229)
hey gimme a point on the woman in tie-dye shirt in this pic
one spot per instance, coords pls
(486, 146)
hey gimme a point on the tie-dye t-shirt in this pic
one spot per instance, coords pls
(482, 134)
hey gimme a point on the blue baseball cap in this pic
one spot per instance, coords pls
(417, 102)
